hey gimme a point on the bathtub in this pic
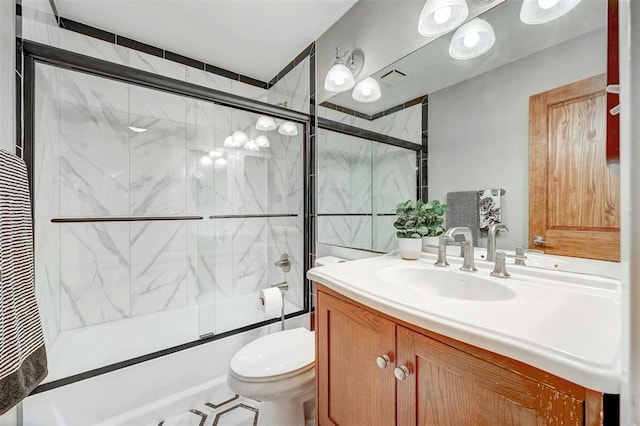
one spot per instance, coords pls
(150, 391)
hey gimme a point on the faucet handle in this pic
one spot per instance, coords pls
(442, 253)
(500, 268)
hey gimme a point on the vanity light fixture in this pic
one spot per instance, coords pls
(137, 129)
(368, 90)
(536, 12)
(262, 141)
(472, 39)
(265, 123)
(341, 76)
(251, 146)
(288, 129)
(441, 16)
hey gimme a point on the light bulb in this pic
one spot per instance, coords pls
(229, 142)
(443, 14)
(339, 80)
(251, 146)
(547, 4)
(265, 123)
(137, 129)
(239, 137)
(288, 129)
(206, 160)
(262, 141)
(471, 39)
(366, 91)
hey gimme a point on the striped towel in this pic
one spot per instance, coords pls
(23, 360)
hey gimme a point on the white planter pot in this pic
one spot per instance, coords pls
(430, 244)
(409, 248)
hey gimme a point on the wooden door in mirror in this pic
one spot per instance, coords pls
(574, 200)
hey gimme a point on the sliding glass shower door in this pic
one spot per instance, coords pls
(150, 230)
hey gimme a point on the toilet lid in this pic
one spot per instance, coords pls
(278, 354)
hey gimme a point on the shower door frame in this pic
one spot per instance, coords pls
(34, 53)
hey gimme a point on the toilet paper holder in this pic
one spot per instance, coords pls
(283, 286)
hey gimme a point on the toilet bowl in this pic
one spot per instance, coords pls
(277, 370)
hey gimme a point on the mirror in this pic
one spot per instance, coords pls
(478, 109)
(359, 183)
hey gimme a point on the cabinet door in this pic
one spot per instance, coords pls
(352, 389)
(450, 387)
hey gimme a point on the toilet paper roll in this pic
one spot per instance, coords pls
(271, 302)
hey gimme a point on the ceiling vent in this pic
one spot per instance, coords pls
(393, 77)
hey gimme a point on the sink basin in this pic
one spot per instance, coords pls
(447, 283)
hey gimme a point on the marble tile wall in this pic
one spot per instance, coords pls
(92, 164)
(359, 182)
(405, 124)
(293, 88)
(39, 23)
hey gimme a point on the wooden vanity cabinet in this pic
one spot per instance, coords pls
(449, 383)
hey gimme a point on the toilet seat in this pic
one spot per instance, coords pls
(274, 357)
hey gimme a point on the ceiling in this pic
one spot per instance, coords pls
(430, 68)
(257, 38)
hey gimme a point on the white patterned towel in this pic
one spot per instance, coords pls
(23, 360)
(489, 208)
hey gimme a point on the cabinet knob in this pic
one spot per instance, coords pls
(383, 361)
(401, 372)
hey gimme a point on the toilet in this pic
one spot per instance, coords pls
(279, 371)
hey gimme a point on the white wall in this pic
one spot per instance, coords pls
(479, 129)
(7, 75)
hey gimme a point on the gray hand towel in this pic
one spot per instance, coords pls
(23, 360)
(463, 211)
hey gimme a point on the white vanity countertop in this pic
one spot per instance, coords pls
(564, 323)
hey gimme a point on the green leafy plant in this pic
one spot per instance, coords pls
(409, 221)
(415, 219)
(432, 213)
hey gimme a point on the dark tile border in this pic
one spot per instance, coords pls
(347, 129)
(123, 41)
(77, 27)
(420, 99)
(109, 37)
(139, 46)
(291, 65)
(423, 167)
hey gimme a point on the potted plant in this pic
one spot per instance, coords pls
(410, 228)
(432, 213)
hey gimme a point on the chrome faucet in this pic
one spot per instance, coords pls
(491, 239)
(468, 263)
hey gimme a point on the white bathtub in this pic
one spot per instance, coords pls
(145, 393)
(87, 348)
